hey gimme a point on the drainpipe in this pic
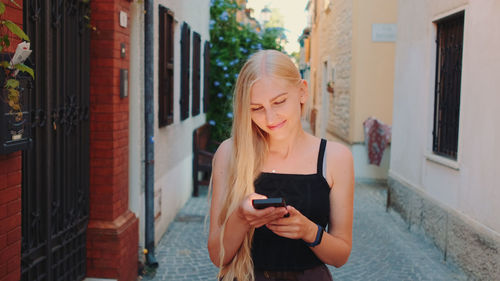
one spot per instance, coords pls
(149, 131)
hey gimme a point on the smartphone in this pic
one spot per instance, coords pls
(269, 202)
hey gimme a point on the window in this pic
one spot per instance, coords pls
(206, 75)
(195, 110)
(447, 88)
(166, 68)
(185, 49)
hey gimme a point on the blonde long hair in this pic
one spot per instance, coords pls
(248, 152)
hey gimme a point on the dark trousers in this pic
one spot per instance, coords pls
(318, 273)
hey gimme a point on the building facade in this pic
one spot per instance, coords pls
(180, 100)
(66, 197)
(72, 204)
(352, 72)
(443, 169)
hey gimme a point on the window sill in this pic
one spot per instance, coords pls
(442, 160)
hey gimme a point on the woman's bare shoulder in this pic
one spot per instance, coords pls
(224, 149)
(339, 165)
(338, 151)
(222, 155)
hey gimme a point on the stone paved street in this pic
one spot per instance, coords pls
(383, 248)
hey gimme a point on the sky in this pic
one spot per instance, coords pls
(294, 17)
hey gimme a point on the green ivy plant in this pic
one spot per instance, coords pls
(11, 84)
(231, 45)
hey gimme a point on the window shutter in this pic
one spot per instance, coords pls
(196, 73)
(166, 68)
(206, 75)
(185, 49)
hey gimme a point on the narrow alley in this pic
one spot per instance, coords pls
(383, 248)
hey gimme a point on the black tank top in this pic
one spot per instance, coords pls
(307, 193)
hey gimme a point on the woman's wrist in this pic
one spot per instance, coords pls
(241, 218)
(319, 236)
(312, 230)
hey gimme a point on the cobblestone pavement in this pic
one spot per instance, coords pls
(383, 248)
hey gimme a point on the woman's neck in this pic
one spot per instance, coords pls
(283, 147)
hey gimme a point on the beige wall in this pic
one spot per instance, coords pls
(372, 73)
(341, 42)
(337, 53)
(331, 47)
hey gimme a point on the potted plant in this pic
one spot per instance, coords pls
(329, 86)
(15, 126)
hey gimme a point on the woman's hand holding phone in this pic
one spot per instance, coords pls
(255, 217)
(296, 226)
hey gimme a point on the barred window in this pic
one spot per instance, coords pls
(196, 73)
(166, 68)
(449, 44)
(185, 56)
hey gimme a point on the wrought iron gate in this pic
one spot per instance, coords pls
(55, 184)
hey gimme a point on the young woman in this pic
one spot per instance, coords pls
(270, 155)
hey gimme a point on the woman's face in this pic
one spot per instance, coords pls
(275, 105)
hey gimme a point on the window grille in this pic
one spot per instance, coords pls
(449, 44)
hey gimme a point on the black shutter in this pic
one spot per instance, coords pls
(196, 73)
(166, 68)
(206, 73)
(447, 88)
(185, 48)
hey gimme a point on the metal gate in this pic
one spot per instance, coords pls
(55, 183)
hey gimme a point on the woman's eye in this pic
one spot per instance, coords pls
(257, 108)
(280, 101)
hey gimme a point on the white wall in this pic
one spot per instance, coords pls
(173, 143)
(470, 184)
(363, 170)
(136, 115)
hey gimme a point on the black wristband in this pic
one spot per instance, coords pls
(319, 236)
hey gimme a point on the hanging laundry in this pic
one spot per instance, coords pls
(377, 136)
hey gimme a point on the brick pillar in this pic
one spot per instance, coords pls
(10, 186)
(112, 235)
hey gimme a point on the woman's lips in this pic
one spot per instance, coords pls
(279, 125)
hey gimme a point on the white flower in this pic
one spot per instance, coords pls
(22, 53)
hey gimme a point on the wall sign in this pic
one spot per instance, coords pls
(123, 19)
(384, 32)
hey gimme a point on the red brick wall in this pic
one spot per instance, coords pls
(10, 216)
(14, 14)
(112, 237)
(109, 113)
(10, 188)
